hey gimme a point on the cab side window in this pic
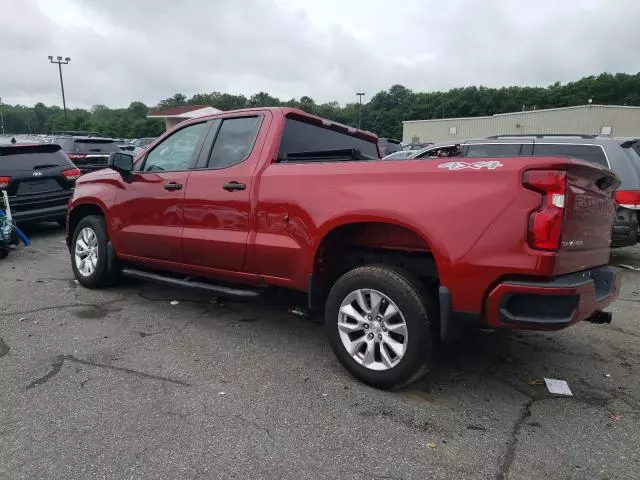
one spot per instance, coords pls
(175, 152)
(234, 142)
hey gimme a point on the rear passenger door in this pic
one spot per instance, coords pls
(217, 209)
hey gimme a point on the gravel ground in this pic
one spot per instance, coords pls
(121, 384)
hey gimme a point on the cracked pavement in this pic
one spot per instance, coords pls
(119, 383)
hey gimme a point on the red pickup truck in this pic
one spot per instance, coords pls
(401, 254)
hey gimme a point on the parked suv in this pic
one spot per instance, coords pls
(39, 179)
(620, 155)
(87, 153)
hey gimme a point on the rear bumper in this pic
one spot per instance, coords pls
(41, 215)
(553, 304)
(40, 208)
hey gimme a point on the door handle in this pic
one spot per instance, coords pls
(232, 186)
(173, 186)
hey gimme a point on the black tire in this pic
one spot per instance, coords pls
(105, 273)
(4, 253)
(411, 298)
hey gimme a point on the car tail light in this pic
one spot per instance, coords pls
(545, 224)
(76, 156)
(4, 182)
(72, 174)
(628, 199)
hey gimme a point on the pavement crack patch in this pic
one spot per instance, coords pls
(408, 422)
(56, 366)
(95, 306)
(512, 444)
(159, 332)
(250, 423)
(4, 348)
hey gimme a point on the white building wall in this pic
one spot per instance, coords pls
(587, 119)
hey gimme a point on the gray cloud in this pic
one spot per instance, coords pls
(327, 49)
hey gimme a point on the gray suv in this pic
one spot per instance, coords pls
(620, 155)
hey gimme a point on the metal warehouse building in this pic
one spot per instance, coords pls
(611, 120)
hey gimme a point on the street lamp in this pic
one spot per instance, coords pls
(360, 95)
(61, 62)
(1, 117)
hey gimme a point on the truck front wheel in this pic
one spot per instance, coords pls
(91, 263)
(377, 323)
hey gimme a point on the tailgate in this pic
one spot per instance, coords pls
(590, 211)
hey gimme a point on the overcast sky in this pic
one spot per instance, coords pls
(125, 50)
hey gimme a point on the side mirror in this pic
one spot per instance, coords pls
(122, 163)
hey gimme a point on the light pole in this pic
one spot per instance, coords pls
(60, 62)
(1, 117)
(360, 95)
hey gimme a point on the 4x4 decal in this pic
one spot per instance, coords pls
(473, 166)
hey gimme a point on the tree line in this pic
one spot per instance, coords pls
(382, 114)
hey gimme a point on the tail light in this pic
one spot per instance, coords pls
(4, 182)
(628, 199)
(72, 174)
(545, 224)
(76, 156)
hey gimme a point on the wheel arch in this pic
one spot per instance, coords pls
(79, 211)
(376, 233)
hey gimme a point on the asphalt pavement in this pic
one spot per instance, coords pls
(121, 383)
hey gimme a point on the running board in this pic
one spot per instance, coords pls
(219, 289)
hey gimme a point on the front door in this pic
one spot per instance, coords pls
(217, 209)
(149, 211)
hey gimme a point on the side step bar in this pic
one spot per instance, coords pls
(219, 289)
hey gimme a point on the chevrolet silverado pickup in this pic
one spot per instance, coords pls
(399, 254)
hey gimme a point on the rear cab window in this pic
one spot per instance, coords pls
(589, 153)
(308, 142)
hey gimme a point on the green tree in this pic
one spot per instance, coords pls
(382, 114)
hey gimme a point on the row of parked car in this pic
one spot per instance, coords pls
(622, 155)
(86, 151)
(38, 172)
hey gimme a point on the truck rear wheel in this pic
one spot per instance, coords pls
(377, 323)
(91, 263)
